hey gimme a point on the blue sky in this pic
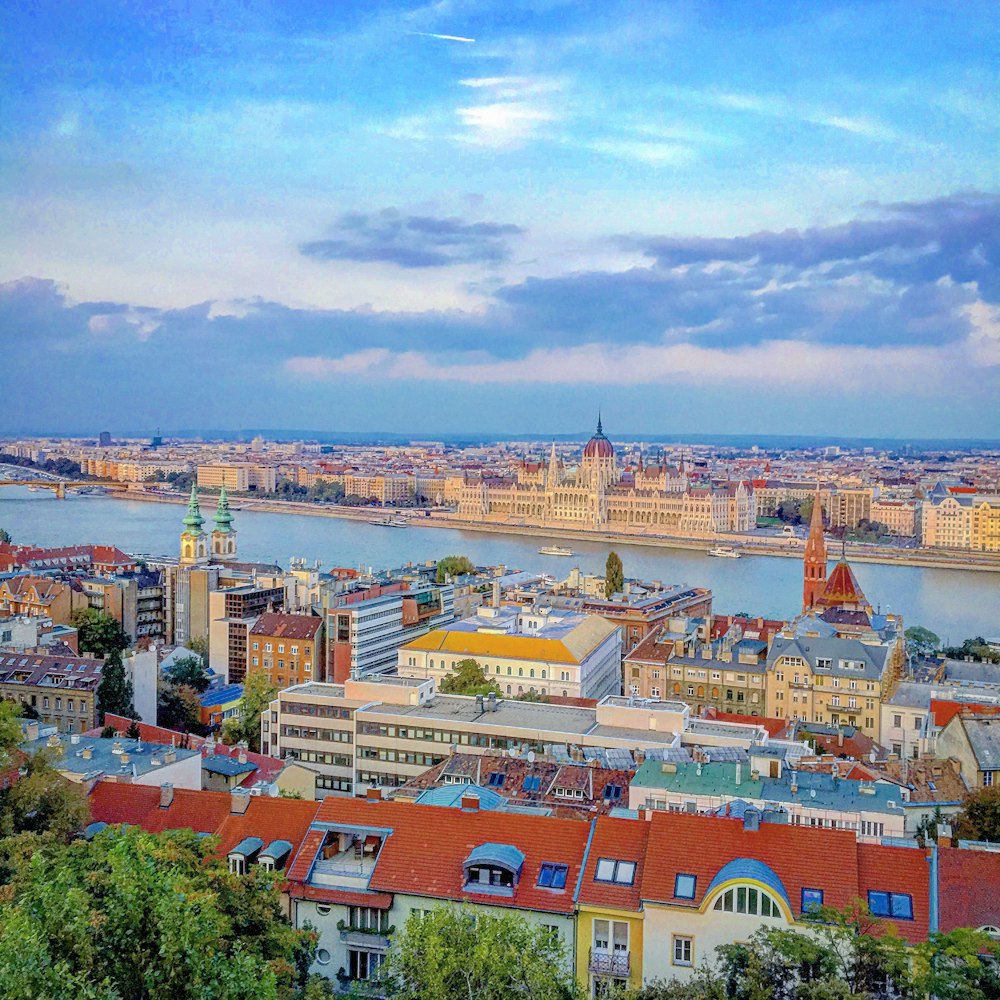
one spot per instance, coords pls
(488, 216)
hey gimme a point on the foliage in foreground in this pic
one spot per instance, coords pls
(139, 916)
(452, 954)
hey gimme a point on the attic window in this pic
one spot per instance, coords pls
(812, 899)
(495, 779)
(897, 905)
(611, 870)
(532, 783)
(552, 876)
(684, 886)
(612, 793)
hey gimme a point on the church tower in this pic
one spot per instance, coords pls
(598, 469)
(194, 541)
(553, 476)
(224, 535)
(814, 569)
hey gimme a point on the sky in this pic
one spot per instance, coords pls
(494, 216)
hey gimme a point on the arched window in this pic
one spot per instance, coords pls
(748, 899)
(701, 690)
(715, 692)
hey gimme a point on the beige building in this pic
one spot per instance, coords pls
(61, 690)
(961, 521)
(846, 507)
(385, 489)
(901, 517)
(238, 476)
(542, 651)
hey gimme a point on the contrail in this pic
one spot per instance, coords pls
(444, 38)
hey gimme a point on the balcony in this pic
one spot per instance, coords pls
(610, 963)
(371, 940)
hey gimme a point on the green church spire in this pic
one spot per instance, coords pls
(223, 516)
(193, 521)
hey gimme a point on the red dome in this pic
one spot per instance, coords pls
(599, 446)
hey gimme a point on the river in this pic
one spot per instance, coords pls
(953, 603)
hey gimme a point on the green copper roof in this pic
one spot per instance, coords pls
(223, 516)
(193, 520)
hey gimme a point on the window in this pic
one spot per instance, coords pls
(684, 886)
(322, 909)
(988, 779)
(323, 956)
(610, 870)
(812, 899)
(495, 779)
(552, 876)
(748, 899)
(363, 964)
(612, 793)
(897, 905)
(532, 783)
(683, 950)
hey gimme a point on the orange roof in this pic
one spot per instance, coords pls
(617, 840)
(969, 888)
(425, 852)
(842, 588)
(139, 805)
(898, 869)
(270, 819)
(945, 711)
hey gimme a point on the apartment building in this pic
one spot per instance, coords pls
(29, 595)
(288, 648)
(233, 612)
(961, 521)
(60, 690)
(846, 507)
(537, 651)
(365, 628)
(238, 476)
(901, 517)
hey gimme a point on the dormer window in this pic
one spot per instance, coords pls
(244, 854)
(552, 876)
(493, 868)
(612, 870)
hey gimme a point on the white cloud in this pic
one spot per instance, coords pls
(508, 123)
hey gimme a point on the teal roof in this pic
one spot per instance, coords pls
(749, 869)
(502, 854)
(248, 846)
(223, 516)
(451, 796)
(277, 851)
(716, 778)
(193, 521)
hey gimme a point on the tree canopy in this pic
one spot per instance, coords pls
(99, 633)
(138, 916)
(452, 566)
(190, 670)
(921, 641)
(614, 575)
(258, 692)
(980, 816)
(114, 693)
(468, 677)
(448, 954)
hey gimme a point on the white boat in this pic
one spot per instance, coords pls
(724, 552)
(390, 522)
(555, 550)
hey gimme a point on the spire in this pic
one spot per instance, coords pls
(814, 562)
(193, 521)
(552, 479)
(223, 516)
(600, 430)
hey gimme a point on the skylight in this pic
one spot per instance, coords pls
(532, 783)
(612, 870)
(552, 876)
(495, 779)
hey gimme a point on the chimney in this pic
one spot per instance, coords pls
(751, 819)
(166, 795)
(239, 801)
(496, 593)
(88, 752)
(242, 758)
(470, 801)
(944, 835)
(479, 704)
(491, 701)
(739, 773)
(374, 795)
(840, 736)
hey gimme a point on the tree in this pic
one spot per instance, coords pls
(114, 693)
(43, 801)
(452, 566)
(614, 575)
(468, 677)
(99, 633)
(142, 916)
(258, 692)
(190, 671)
(450, 953)
(10, 731)
(921, 641)
(198, 645)
(178, 706)
(133, 732)
(960, 965)
(980, 816)
(5, 538)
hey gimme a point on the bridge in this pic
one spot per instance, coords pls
(59, 486)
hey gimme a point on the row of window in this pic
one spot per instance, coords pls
(320, 711)
(309, 733)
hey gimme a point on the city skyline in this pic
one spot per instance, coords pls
(486, 219)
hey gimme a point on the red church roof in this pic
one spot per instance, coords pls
(842, 589)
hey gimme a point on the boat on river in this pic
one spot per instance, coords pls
(555, 550)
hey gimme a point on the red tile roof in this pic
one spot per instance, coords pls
(618, 840)
(425, 852)
(139, 805)
(270, 819)
(969, 888)
(903, 870)
(284, 626)
(344, 897)
(945, 711)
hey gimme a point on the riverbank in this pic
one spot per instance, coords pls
(778, 548)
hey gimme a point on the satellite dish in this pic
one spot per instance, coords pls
(531, 756)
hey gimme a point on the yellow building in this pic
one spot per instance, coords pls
(609, 921)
